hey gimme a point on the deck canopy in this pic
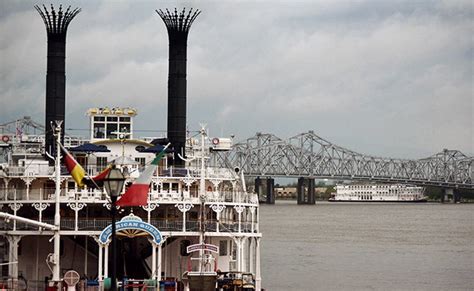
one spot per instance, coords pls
(90, 148)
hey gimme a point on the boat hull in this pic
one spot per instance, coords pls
(382, 201)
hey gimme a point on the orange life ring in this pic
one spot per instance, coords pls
(215, 141)
(5, 139)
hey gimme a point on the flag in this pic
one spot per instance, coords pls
(74, 168)
(102, 175)
(137, 194)
(97, 181)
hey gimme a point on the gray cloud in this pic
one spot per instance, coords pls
(391, 78)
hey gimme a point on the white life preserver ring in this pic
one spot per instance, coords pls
(5, 138)
(215, 141)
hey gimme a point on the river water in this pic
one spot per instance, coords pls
(367, 246)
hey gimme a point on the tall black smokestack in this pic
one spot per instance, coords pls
(56, 28)
(178, 25)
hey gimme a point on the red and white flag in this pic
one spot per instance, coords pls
(137, 194)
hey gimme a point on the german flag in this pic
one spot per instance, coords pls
(74, 168)
(97, 181)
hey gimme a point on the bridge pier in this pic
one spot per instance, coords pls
(456, 196)
(449, 195)
(268, 189)
(305, 191)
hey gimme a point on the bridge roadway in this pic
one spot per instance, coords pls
(309, 156)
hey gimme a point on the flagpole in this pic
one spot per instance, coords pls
(57, 215)
(166, 146)
(93, 181)
(202, 197)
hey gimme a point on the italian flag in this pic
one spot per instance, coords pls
(137, 194)
(74, 168)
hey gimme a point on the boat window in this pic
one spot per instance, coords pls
(174, 187)
(223, 248)
(101, 163)
(99, 130)
(71, 185)
(82, 160)
(141, 161)
(125, 127)
(194, 190)
(111, 127)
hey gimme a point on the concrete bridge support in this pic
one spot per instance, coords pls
(448, 195)
(305, 191)
(456, 196)
(266, 190)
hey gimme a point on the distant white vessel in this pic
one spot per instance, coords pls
(378, 193)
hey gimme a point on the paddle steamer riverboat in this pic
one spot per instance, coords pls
(199, 223)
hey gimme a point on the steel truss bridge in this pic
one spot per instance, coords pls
(308, 155)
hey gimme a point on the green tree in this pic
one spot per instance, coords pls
(327, 193)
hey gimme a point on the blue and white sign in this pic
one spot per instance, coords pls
(204, 247)
(131, 222)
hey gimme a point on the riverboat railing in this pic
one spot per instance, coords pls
(87, 195)
(162, 225)
(34, 194)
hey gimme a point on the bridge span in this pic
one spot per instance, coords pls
(307, 156)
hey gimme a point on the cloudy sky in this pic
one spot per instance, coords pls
(389, 78)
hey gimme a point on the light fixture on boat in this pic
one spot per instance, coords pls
(113, 184)
(131, 111)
